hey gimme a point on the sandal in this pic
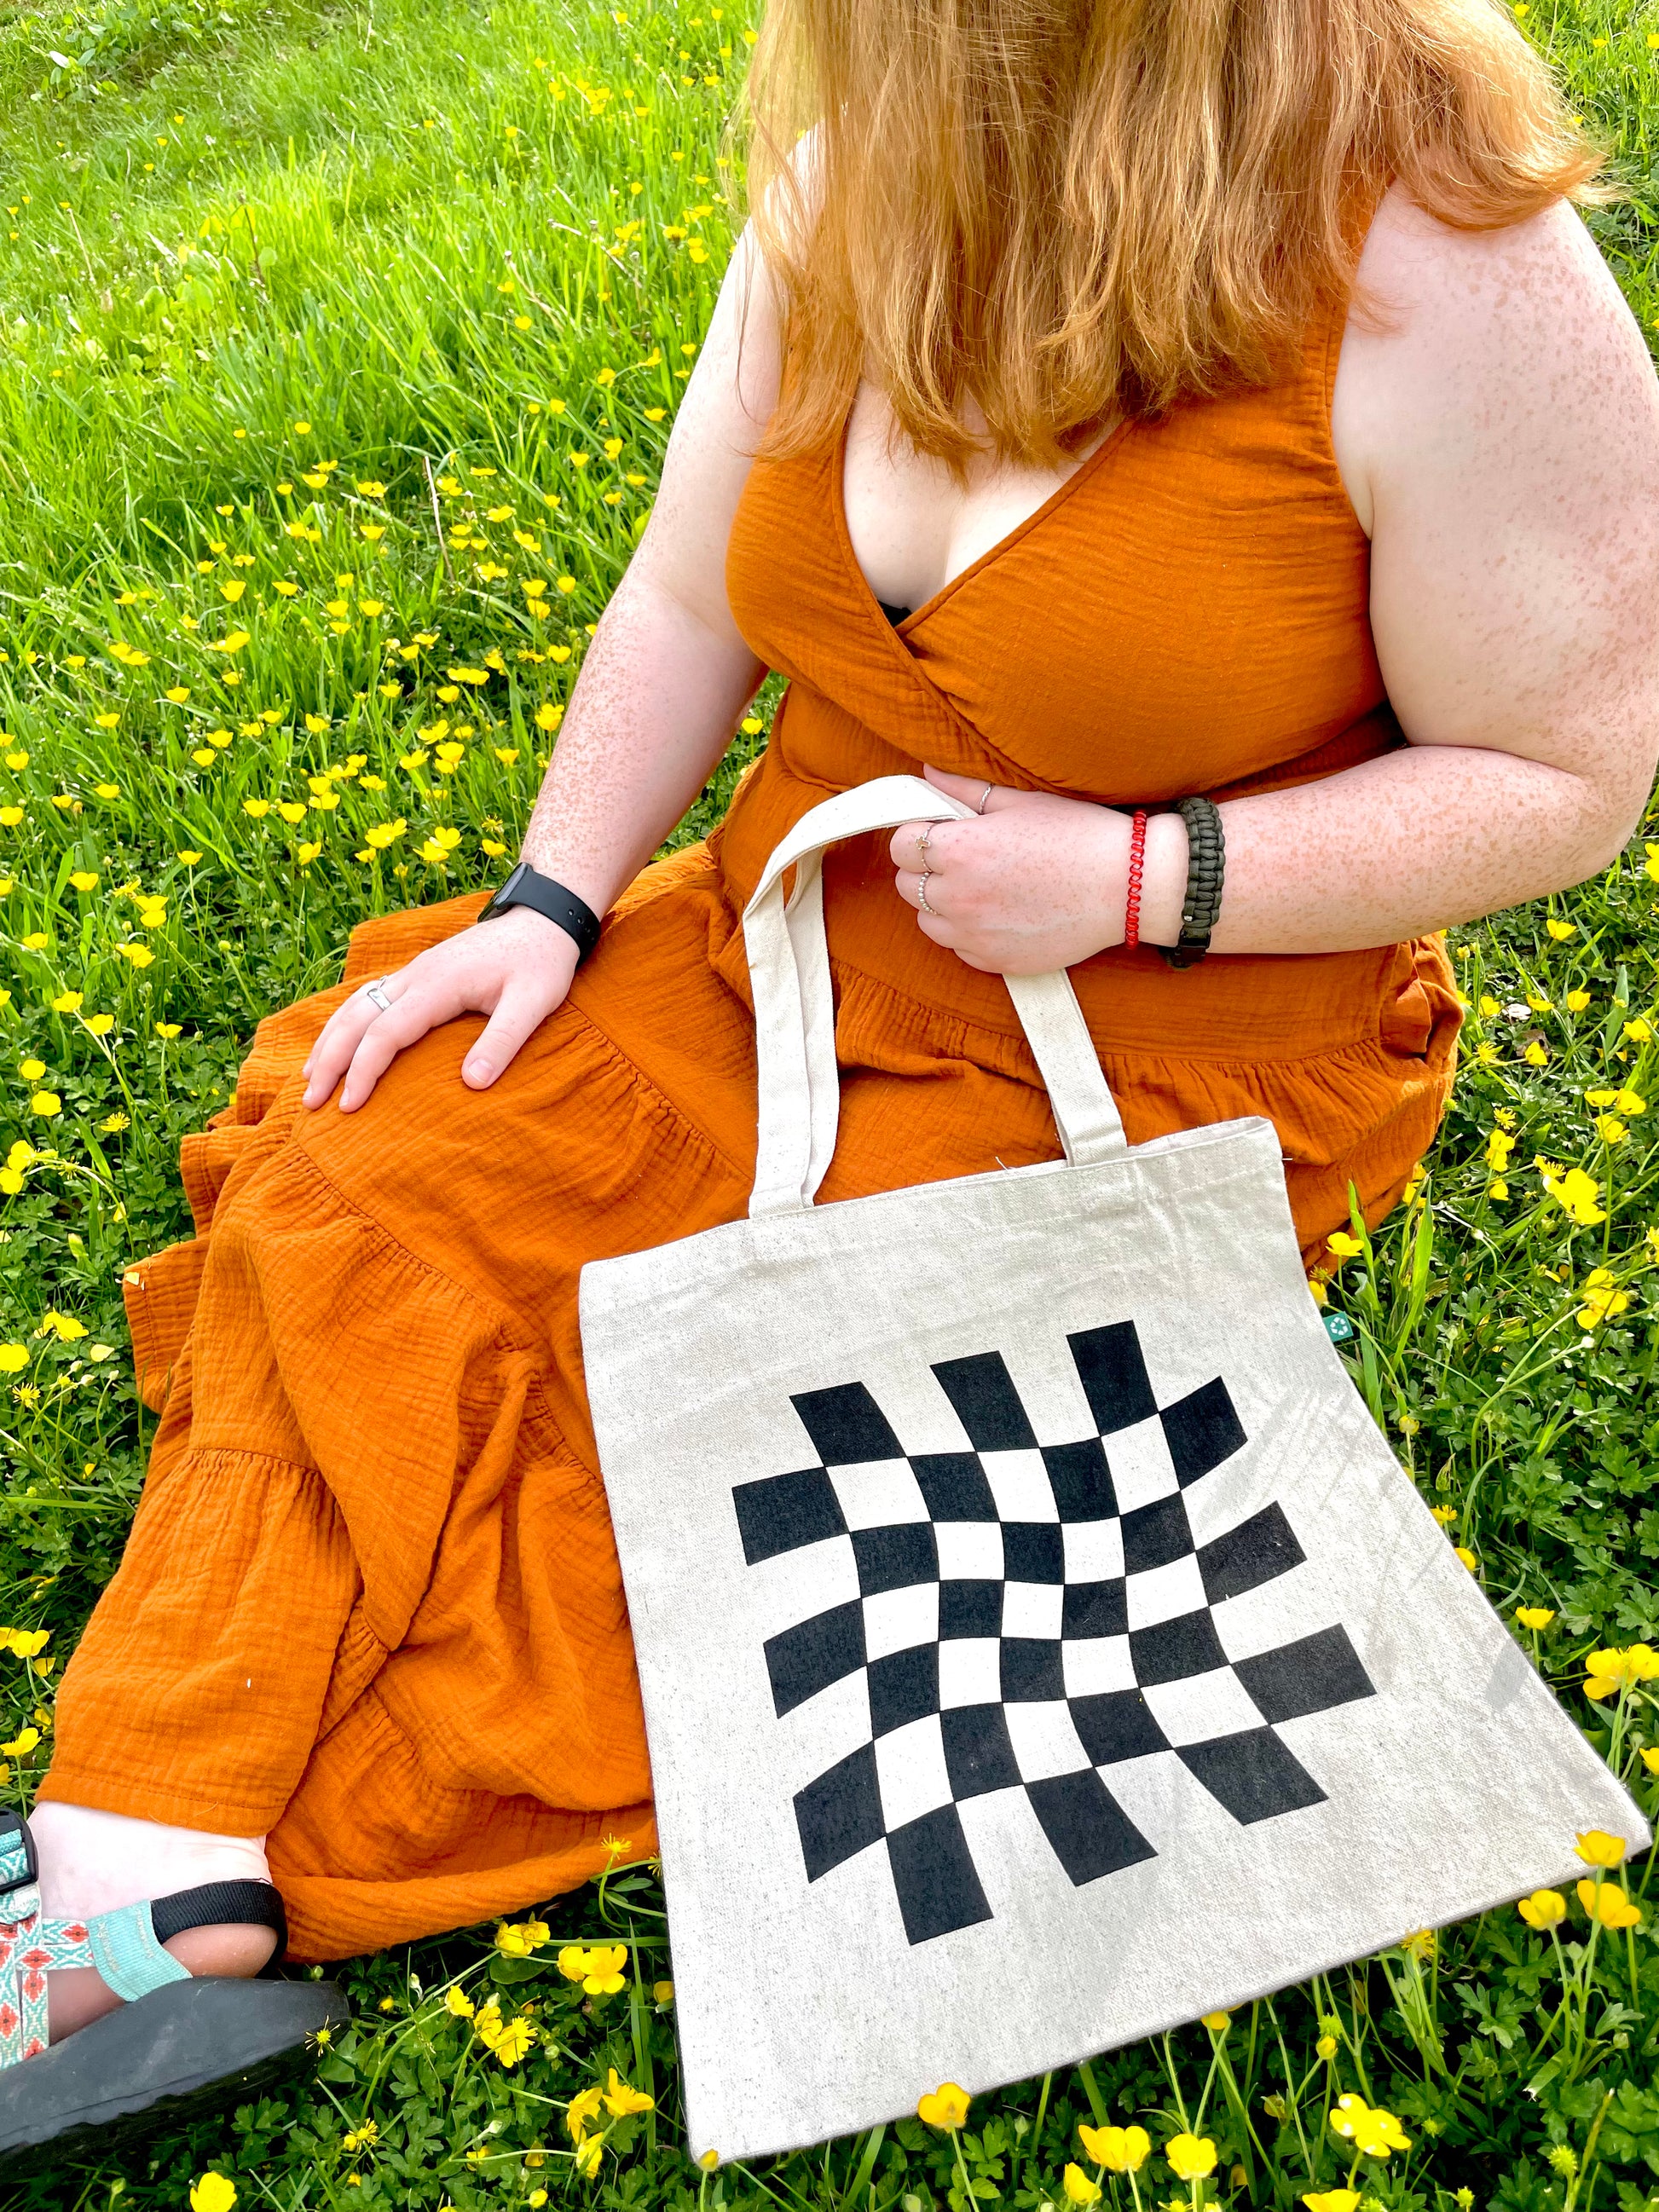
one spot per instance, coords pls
(177, 2034)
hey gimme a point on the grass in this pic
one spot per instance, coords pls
(338, 348)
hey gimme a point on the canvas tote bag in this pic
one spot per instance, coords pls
(1040, 1646)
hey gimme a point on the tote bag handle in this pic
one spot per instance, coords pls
(795, 1009)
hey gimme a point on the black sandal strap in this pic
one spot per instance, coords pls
(213, 1904)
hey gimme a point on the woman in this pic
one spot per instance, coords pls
(1089, 482)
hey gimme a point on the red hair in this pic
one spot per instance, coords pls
(1065, 211)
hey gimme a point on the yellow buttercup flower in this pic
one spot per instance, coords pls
(1598, 1849)
(1216, 2021)
(1343, 1246)
(1544, 1908)
(1373, 2132)
(1561, 931)
(1119, 2150)
(1605, 1902)
(599, 1970)
(517, 1940)
(1326, 2046)
(1079, 2190)
(1190, 2156)
(509, 2043)
(620, 2098)
(589, 2152)
(582, 2111)
(944, 2107)
(214, 2192)
(1611, 1671)
(1603, 1299)
(1332, 2200)
(1579, 1194)
(457, 2000)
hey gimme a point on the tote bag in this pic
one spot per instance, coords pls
(1040, 1646)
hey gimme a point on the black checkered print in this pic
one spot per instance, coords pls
(1019, 1627)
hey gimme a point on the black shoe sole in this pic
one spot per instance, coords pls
(201, 2041)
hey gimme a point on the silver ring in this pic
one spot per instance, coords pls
(983, 796)
(375, 992)
(922, 906)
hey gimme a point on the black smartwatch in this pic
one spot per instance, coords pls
(524, 887)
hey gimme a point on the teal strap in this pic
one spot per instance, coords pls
(126, 1953)
(14, 1857)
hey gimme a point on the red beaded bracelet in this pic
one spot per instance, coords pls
(1137, 862)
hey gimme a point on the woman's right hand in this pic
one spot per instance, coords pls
(515, 967)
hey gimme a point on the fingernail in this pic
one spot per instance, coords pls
(477, 1070)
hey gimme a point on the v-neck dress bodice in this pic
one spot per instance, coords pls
(1187, 612)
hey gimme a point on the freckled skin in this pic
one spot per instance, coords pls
(1496, 423)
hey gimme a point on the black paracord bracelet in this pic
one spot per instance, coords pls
(1207, 866)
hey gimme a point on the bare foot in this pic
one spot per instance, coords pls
(93, 1862)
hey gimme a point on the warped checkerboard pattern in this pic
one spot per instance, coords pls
(1020, 1627)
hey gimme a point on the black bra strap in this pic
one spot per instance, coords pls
(244, 1903)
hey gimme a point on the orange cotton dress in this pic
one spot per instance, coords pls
(371, 1603)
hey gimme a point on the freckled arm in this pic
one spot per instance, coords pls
(1510, 423)
(667, 674)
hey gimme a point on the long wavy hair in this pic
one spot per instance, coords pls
(1067, 212)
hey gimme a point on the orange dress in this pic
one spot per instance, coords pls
(370, 1603)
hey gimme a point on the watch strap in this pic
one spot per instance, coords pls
(526, 886)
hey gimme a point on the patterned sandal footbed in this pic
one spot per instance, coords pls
(125, 1946)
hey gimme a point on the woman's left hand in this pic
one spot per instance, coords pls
(1034, 882)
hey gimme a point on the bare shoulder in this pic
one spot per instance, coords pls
(1497, 423)
(1469, 350)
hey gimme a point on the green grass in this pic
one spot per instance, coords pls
(413, 231)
